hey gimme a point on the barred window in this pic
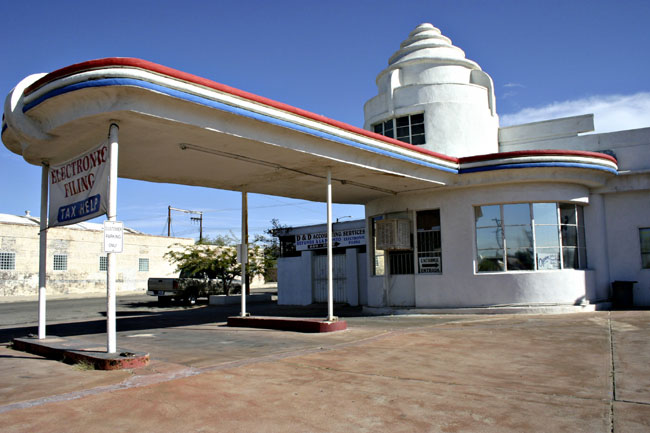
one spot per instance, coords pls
(60, 262)
(429, 242)
(103, 263)
(409, 129)
(7, 261)
(143, 265)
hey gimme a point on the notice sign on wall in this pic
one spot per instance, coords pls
(79, 188)
(341, 238)
(113, 236)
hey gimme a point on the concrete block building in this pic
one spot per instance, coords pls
(76, 261)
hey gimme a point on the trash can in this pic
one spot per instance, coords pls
(623, 294)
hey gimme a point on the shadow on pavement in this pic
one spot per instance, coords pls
(142, 320)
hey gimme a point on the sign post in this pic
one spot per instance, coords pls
(111, 271)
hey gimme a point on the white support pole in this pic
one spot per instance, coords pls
(42, 253)
(244, 250)
(330, 260)
(111, 335)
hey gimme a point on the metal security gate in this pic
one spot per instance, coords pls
(319, 275)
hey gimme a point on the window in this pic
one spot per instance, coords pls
(143, 265)
(7, 261)
(402, 258)
(644, 234)
(409, 129)
(429, 242)
(530, 236)
(60, 262)
(103, 263)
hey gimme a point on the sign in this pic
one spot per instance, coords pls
(79, 188)
(242, 253)
(113, 236)
(430, 265)
(340, 238)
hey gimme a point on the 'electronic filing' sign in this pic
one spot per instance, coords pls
(79, 187)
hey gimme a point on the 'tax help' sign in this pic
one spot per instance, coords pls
(79, 187)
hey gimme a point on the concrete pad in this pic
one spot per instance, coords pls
(631, 343)
(631, 417)
(75, 351)
(287, 324)
(384, 374)
(25, 377)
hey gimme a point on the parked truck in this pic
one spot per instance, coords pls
(188, 287)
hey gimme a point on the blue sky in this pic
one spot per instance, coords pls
(547, 59)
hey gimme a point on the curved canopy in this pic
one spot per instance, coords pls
(179, 128)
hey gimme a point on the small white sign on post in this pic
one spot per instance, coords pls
(113, 236)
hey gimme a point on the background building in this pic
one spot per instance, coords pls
(302, 266)
(76, 262)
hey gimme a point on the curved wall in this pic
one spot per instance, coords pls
(460, 285)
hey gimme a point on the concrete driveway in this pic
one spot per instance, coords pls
(584, 372)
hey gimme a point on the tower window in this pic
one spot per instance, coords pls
(409, 129)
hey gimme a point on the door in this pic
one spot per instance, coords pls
(319, 275)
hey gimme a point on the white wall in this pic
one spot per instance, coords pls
(459, 285)
(294, 280)
(626, 213)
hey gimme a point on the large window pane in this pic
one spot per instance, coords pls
(402, 121)
(547, 236)
(567, 213)
(569, 236)
(489, 238)
(518, 237)
(388, 128)
(417, 129)
(515, 214)
(548, 258)
(490, 261)
(418, 139)
(520, 259)
(570, 257)
(545, 213)
(488, 216)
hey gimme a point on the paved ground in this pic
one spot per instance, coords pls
(584, 372)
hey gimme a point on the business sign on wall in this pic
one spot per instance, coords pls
(79, 188)
(341, 238)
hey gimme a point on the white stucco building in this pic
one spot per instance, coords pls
(459, 212)
(534, 231)
(522, 232)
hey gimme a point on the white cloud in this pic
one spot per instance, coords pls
(514, 85)
(611, 112)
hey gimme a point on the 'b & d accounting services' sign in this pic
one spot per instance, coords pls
(79, 188)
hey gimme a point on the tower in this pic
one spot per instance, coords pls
(431, 96)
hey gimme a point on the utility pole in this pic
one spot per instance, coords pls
(195, 212)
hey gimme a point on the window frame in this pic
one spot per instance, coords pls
(141, 261)
(7, 261)
(389, 128)
(501, 227)
(60, 262)
(401, 262)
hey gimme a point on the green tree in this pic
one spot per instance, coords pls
(270, 245)
(216, 257)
